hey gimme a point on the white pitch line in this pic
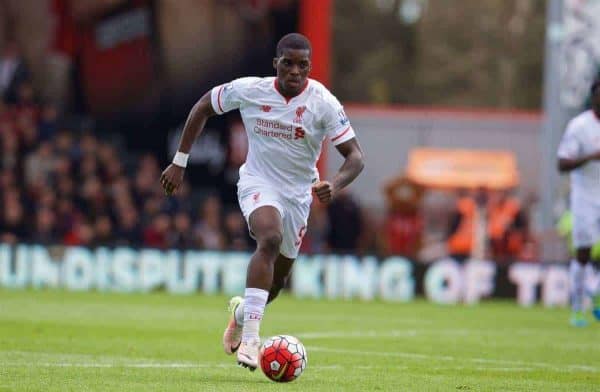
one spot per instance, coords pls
(94, 361)
(318, 368)
(398, 354)
(356, 334)
(153, 365)
(409, 333)
(117, 365)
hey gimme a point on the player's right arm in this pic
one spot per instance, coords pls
(570, 155)
(172, 177)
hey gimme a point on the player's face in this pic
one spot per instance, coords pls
(293, 67)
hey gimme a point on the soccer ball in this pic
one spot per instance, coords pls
(283, 358)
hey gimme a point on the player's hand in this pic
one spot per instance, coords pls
(324, 191)
(171, 178)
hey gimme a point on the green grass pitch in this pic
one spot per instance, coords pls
(60, 341)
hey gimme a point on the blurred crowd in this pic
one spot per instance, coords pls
(59, 186)
(62, 186)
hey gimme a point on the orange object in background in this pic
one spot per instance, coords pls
(457, 168)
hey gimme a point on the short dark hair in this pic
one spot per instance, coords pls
(293, 41)
(595, 86)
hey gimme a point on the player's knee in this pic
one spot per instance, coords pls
(270, 242)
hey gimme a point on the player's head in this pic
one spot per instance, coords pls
(595, 92)
(292, 62)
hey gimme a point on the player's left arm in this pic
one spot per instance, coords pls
(350, 169)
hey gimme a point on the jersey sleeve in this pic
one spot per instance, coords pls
(229, 96)
(335, 121)
(570, 145)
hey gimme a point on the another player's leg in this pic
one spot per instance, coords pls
(596, 292)
(267, 227)
(577, 281)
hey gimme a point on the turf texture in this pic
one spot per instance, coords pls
(62, 341)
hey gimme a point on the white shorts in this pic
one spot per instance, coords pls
(586, 225)
(294, 214)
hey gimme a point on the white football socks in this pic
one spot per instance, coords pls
(255, 301)
(576, 280)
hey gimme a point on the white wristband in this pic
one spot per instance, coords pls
(180, 159)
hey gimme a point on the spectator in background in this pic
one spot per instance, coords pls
(88, 145)
(111, 171)
(65, 187)
(46, 198)
(66, 214)
(48, 125)
(181, 235)
(13, 72)
(29, 136)
(156, 235)
(65, 145)
(6, 120)
(315, 239)
(129, 231)
(94, 199)
(120, 193)
(467, 233)
(81, 233)
(12, 221)
(152, 206)
(8, 180)
(39, 164)
(63, 166)
(487, 224)
(236, 156)
(145, 186)
(507, 227)
(88, 167)
(236, 232)
(103, 231)
(346, 224)
(26, 107)
(9, 155)
(45, 231)
(208, 231)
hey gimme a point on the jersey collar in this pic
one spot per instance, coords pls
(287, 100)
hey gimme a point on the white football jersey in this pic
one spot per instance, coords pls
(284, 135)
(581, 138)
